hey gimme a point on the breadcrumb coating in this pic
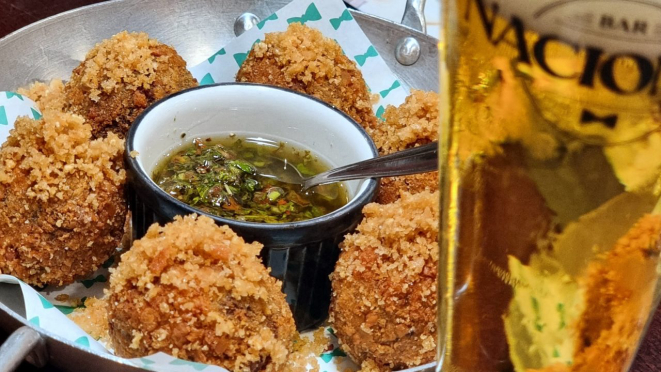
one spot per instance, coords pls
(619, 298)
(370, 366)
(384, 284)
(306, 349)
(48, 97)
(391, 188)
(302, 59)
(120, 77)
(93, 319)
(62, 208)
(199, 292)
(413, 123)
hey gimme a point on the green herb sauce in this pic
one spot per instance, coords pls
(232, 178)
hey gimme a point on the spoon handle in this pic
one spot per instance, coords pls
(420, 159)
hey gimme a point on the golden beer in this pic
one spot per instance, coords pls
(550, 165)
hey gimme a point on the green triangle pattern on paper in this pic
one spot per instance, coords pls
(240, 58)
(394, 86)
(218, 53)
(361, 58)
(66, 310)
(272, 17)
(337, 22)
(12, 94)
(83, 341)
(311, 14)
(90, 282)
(337, 352)
(379, 113)
(45, 303)
(36, 114)
(207, 79)
(108, 262)
(3, 116)
(196, 366)
(34, 321)
(146, 364)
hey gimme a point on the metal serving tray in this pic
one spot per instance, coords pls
(53, 47)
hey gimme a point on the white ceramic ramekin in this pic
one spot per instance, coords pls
(301, 254)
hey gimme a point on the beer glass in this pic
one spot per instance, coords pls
(550, 165)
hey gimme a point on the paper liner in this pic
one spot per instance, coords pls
(42, 310)
(334, 21)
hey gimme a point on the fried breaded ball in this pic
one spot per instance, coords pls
(620, 289)
(199, 292)
(48, 97)
(619, 297)
(93, 318)
(62, 208)
(384, 285)
(120, 77)
(413, 123)
(302, 59)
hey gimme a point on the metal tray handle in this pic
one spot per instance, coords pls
(414, 15)
(24, 343)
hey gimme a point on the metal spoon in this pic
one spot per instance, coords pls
(420, 159)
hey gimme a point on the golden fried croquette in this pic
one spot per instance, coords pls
(93, 318)
(302, 59)
(383, 306)
(48, 97)
(120, 77)
(62, 208)
(391, 188)
(619, 296)
(414, 123)
(370, 366)
(198, 292)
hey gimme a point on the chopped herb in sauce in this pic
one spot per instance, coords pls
(232, 178)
